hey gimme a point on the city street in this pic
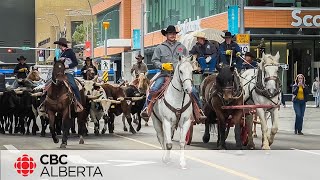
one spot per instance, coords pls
(144, 158)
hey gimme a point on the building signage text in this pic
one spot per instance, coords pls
(307, 20)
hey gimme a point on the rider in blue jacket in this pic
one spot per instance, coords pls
(229, 47)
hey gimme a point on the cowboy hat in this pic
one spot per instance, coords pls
(170, 29)
(21, 57)
(249, 54)
(62, 41)
(88, 59)
(200, 35)
(227, 35)
(139, 56)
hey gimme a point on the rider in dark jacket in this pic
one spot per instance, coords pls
(230, 47)
(85, 68)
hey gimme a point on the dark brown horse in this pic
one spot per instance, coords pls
(222, 90)
(59, 99)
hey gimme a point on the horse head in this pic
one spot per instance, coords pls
(269, 66)
(183, 73)
(225, 81)
(58, 75)
(34, 74)
(144, 83)
(90, 74)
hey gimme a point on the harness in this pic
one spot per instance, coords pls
(177, 111)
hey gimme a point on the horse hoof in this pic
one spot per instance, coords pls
(205, 138)
(146, 124)
(34, 133)
(81, 141)
(138, 128)
(265, 147)
(2, 132)
(28, 133)
(135, 121)
(73, 131)
(251, 147)
(56, 140)
(103, 131)
(255, 136)
(43, 134)
(220, 147)
(63, 146)
(132, 131)
(169, 146)
(96, 132)
(125, 129)
(10, 131)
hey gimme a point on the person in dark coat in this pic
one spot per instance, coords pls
(227, 48)
(205, 51)
(85, 68)
(300, 93)
(250, 63)
(22, 69)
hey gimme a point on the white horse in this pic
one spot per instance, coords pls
(176, 97)
(262, 87)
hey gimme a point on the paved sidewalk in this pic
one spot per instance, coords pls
(311, 123)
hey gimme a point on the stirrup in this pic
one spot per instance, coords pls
(144, 114)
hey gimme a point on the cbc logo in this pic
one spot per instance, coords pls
(25, 165)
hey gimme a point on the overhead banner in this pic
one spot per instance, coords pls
(136, 44)
(233, 19)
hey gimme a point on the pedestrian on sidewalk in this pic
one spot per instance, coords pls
(316, 91)
(299, 97)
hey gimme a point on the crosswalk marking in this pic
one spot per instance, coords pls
(11, 148)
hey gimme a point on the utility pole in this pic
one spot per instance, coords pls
(241, 4)
(142, 29)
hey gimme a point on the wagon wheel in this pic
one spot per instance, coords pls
(189, 135)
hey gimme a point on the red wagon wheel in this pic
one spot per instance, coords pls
(189, 135)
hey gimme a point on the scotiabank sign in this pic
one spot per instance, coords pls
(304, 20)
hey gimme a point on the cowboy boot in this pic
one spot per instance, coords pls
(146, 112)
(200, 117)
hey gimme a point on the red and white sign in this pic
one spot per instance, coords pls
(87, 49)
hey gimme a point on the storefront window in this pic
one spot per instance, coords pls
(166, 12)
(316, 64)
(254, 44)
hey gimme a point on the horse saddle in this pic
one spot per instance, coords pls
(159, 93)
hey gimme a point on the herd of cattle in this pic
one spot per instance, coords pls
(19, 108)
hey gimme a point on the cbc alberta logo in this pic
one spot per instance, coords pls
(25, 165)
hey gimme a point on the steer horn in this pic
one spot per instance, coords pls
(36, 94)
(18, 92)
(137, 98)
(90, 97)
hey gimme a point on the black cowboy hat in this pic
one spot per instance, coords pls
(88, 59)
(249, 54)
(62, 41)
(139, 56)
(227, 35)
(170, 29)
(21, 57)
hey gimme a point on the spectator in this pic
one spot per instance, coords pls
(316, 91)
(299, 98)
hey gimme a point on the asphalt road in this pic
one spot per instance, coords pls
(300, 160)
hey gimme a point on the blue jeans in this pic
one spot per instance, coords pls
(73, 85)
(157, 85)
(203, 64)
(299, 107)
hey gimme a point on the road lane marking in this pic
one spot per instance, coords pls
(222, 168)
(11, 148)
(309, 152)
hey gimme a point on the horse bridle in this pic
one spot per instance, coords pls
(266, 79)
(181, 82)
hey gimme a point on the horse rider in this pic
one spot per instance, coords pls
(230, 48)
(85, 68)
(139, 66)
(249, 62)
(205, 52)
(21, 70)
(166, 57)
(70, 62)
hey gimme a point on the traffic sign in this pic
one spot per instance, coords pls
(105, 76)
(243, 41)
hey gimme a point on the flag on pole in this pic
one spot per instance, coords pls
(64, 33)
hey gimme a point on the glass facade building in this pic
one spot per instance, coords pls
(111, 15)
(165, 12)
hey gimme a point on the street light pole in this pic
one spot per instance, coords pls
(53, 14)
(142, 29)
(242, 29)
(92, 47)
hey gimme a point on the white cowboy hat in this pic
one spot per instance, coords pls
(200, 34)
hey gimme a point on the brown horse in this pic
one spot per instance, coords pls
(60, 100)
(222, 90)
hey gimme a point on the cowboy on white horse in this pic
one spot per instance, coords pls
(166, 57)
